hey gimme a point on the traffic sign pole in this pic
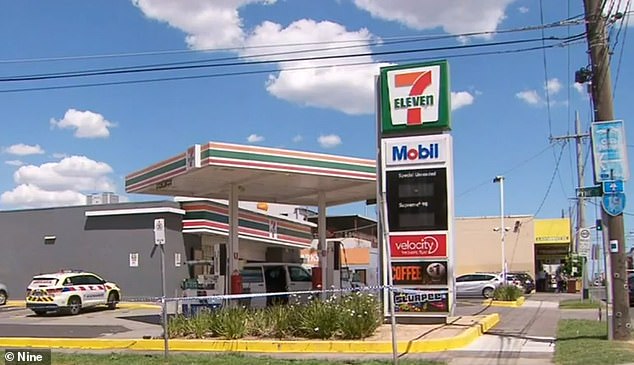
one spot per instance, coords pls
(159, 240)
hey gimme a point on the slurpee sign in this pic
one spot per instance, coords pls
(414, 98)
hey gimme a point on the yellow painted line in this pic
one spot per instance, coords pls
(122, 305)
(430, 345)
(501, 303)
(133, 305)
(16, 303)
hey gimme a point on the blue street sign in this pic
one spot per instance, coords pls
(609, 151)
(613, 203)
(612, 186)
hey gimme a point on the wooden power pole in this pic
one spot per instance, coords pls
(604, 111)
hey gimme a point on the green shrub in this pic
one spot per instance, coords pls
(507, 293)
(282, 320)
(319, 318)
(230, 323)
(353, 316)
(360, 315)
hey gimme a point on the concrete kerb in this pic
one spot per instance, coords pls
(503, 303)
(262, 346)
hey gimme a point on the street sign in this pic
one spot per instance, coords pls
(588, 192)
(159, 231)
(613, 203)
(613, 186)
(583, 242)
(609, 151)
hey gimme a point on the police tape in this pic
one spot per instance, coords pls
(219, 298)
(253, 295)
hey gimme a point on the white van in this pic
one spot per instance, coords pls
(273, 278)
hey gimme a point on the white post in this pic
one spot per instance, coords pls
(500, 179)
(233, 250)
(321, 233)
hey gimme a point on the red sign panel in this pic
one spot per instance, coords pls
(418, 246)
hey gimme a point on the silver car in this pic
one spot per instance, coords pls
(4, 294)
(477, 285)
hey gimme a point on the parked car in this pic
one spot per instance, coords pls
(4, 294)
(477, 284)
(70, 290)
(274, 278)
(521, 279)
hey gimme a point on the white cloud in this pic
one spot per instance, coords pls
(22, 149)
(59, 155)
(530, 97)
(329, 141)
(553, 86)
(86, 124)
(523, 9)
(32, 196)
(208, 24)
(316, 83)
(298, 138)
(73, 173)
(58, 183)
(253, 138)
(454, 16)
(460, 99)
(581, 88)
(14, 162)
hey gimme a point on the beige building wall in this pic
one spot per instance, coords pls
(479, 248)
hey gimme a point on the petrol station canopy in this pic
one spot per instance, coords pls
(261, 174)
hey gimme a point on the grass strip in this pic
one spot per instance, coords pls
(581, 341)
(579, 304)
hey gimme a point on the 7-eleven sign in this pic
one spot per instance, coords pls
(414, 97)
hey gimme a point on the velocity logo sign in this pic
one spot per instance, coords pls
(414, 97)
(418, 246)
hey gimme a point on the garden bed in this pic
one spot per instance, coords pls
(348, 317)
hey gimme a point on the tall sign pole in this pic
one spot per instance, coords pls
(415, 172)
(159, 240)
(606, 167)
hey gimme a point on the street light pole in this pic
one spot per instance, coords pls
(500, 179)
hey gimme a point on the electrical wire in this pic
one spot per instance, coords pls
(237, 62)
(545, 64)
(506, 172)
(541, 205)
(242, 73)
(618, 67)
(576, 20)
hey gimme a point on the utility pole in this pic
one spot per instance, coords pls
(581, 203)
(604, 111)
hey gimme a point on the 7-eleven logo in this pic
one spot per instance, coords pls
(414, 94)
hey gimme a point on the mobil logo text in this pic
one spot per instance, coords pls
(418, 246)
(420, 152)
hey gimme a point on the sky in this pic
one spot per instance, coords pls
(78, 114)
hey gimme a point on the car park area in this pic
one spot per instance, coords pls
(133, 321)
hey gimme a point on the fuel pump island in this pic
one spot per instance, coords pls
(415, 190)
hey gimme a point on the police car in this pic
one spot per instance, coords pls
(70, 290)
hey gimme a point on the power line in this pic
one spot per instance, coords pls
(237, 62)
(241, 73)
(576, 20)
(552, 179)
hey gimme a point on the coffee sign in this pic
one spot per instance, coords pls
(418, 246)
(419, 273)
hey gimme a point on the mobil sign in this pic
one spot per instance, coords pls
(418, 246)
(416, 151)
(415, 97)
